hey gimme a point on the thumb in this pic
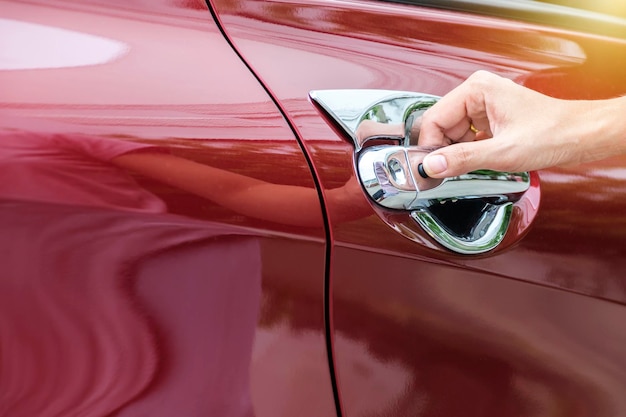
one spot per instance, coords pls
(461, 158)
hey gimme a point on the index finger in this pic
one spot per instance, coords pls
(449, 120)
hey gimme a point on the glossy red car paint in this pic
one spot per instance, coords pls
(532, 329)
(143, 272)
(163, 246)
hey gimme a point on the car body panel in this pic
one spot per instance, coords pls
(164, 247)
(143, 272)
(533, 329)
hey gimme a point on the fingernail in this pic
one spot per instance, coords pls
(435, 164)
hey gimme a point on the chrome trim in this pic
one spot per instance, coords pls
(488, 233)
(349, 108)
(389, 174)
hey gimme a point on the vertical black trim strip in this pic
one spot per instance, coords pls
(318, 187)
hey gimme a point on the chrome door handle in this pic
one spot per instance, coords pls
(388, 173)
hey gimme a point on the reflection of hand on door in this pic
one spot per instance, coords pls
(287, 204)
(370, 129)
(92, 171)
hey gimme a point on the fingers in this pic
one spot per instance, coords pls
(449, 120)
(477, 109)
(524, 129)
(461, 158)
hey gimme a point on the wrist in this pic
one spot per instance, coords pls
(609, 120)
(594, 129)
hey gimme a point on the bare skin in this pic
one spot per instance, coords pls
(518, 129)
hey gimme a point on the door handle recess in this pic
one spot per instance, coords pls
(467, 214)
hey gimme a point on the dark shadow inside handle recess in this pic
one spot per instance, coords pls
(468, 214)
(459, 217)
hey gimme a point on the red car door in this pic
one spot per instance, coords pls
(533, 327)
(163, 245)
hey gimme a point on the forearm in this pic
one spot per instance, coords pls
(606, 129)
(525, 130)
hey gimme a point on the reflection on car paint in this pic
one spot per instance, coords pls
(32, 46)
(524, 331)
(95, 250)
(147, 297)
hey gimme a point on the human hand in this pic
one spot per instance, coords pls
(516, 129)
